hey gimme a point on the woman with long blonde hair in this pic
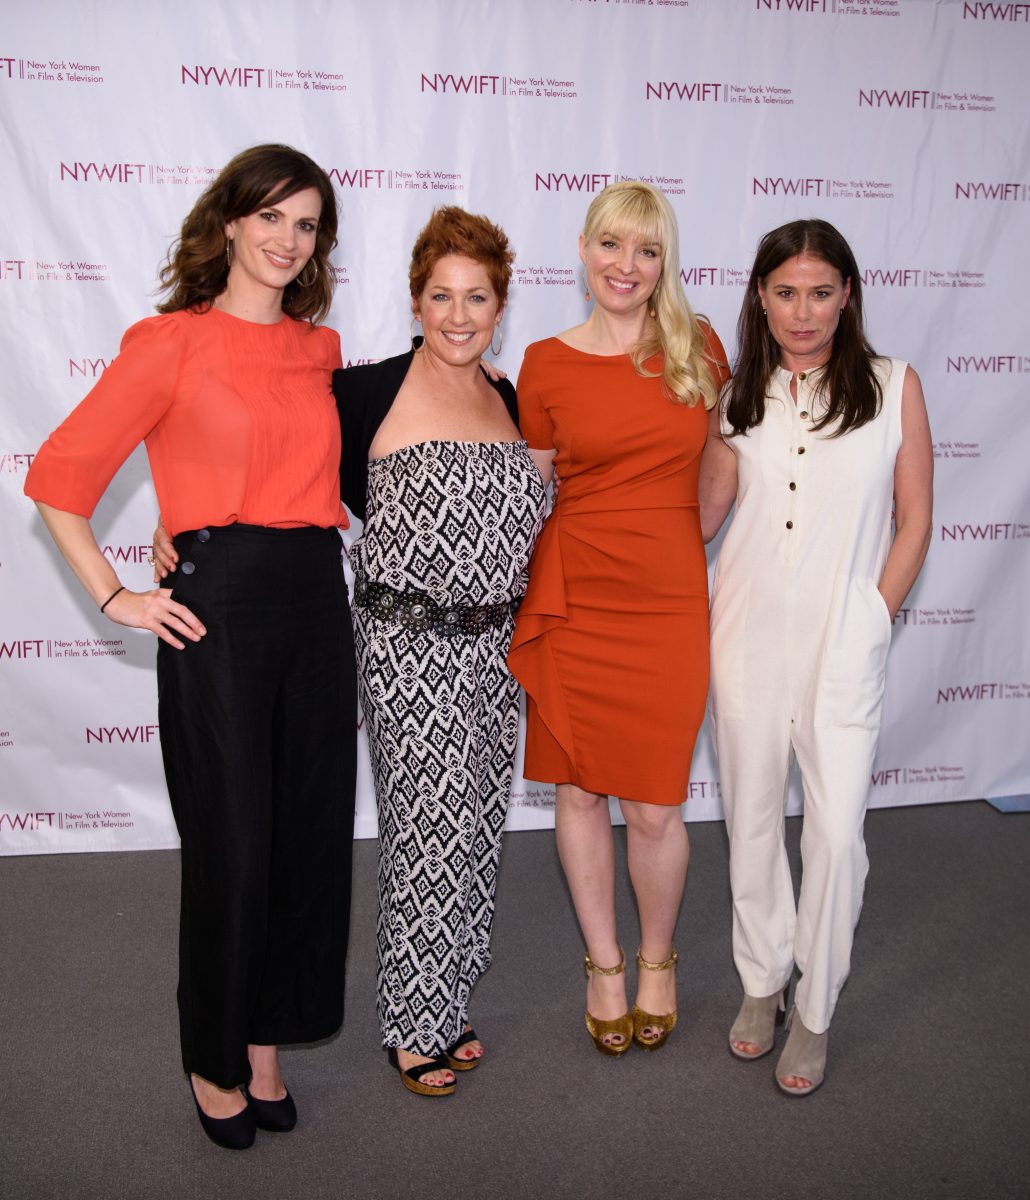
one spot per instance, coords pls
(611, 641)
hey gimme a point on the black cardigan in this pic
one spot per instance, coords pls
(363, 398)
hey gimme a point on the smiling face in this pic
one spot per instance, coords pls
(803, 299)
(622, 270)
(458, 309)
(273, 245)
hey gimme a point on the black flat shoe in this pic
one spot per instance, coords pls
(462, 1064)
(231, 1133)
(412, 1077)
(274, 1116)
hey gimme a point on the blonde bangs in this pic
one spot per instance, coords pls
(628, 212)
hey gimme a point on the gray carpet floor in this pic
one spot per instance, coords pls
(927, 1093)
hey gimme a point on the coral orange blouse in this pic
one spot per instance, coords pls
(238, 418)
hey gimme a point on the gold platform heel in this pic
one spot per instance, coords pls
(623, 1026)
(641, 1020)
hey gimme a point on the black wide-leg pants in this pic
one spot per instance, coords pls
(258, 735)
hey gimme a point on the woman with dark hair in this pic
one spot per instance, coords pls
(815, 439)
(434, 465)
(611, 643)
(230, 390)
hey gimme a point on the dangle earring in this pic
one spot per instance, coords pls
(413, 335)
(500, 342)
(586, 295)
(228, 252)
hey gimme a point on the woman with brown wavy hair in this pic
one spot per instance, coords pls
(816, 439)
(230, 390)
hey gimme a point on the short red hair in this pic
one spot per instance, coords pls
(452, 230)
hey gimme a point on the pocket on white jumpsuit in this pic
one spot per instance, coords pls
(853, 670)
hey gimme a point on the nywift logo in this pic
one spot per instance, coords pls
(698, 276)
(103, 172)
(128, 554)
(988, 364)
(695, 92)
(996, 531)
(464, 85)
(587, 181)
(996, 12)
(29, 822)
(363, 178)
(829, 189)
(23, 648)
(884, 98)
(27, 649)
(905, 776)
(912, 277)
(780, 185)
(995, 190)
(224, 77)
(897, 277)
(977, 693)
(792, 6)
(111, 735)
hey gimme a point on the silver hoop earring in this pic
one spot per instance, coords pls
(412, 335)
(299, 281)
(500, 341)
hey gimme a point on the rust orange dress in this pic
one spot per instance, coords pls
(611, 640)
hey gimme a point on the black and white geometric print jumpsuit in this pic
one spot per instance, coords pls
(455, 522)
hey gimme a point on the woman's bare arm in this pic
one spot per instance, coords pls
(913, 498)
(154, 610)
(717, 486)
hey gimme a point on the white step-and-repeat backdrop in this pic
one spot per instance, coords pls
(903, 122)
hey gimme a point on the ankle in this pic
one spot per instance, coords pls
(606, 960)
(666, 962)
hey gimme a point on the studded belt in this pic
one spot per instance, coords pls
(418, 611)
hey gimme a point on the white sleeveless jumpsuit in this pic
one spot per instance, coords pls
(800, 635)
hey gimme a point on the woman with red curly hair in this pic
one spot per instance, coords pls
(435, 466)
